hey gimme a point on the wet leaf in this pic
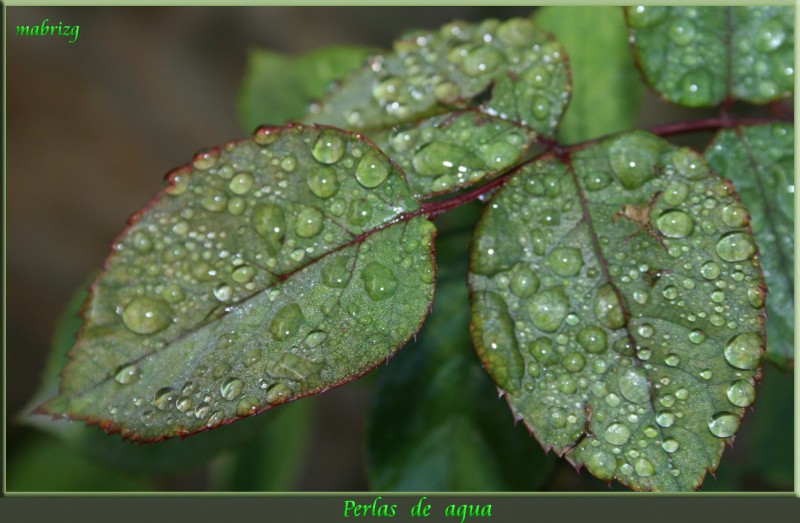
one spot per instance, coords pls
(277, 88)
(436, 422)
(267, 270)
(759, 160)
(701, 56)
(627, 326)
(508, 69)
(600, 66)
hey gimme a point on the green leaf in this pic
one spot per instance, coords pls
(627, 326)
(436, 422)
(759, 160)
(273, 460)
(267, 270)
(154, 460)
(606, 86)
(277, 88)
(509, 69)
(46, 464)
(703, 56)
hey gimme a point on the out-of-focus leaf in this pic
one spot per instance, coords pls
(248, 283)
(277, 88)
(509, 69)
(436, 422)
(273, 460)
(621, 309)
(606, 90)
(46, 464)
(759, 160)
(702, 56)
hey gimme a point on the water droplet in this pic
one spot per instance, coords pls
(265, 135)
(646, 330)
(372, 171)
(770, 36)
(231, 388)
(142, 242)
(241, 183)
(672, 360)
(223, 293)
(205, 159)
(675, 224)
(676, 193)
(147, 315)
(329, 147)
(524, 283)
(697, 336)
(336, 274)
(736, 246)
(593, 339)
(670, 445)
(323, 182)
(270, 223)
(202, 411)
(314, 338)
(148, 418)
(634, 385)
(288, 163)
(439, 158)
(548, 309)
(682, 32)
(710, 270)
(743, 351)
(741, 393)
(665, 418)
(216, 418)
(243, 274)
(540, 107)
(724, 424)
(126, 374)
(278, 394)
(633, 158)
(696, 88)
(379, 281)
(601, 465)
(359, 212)
(735, 216)
(566, 261)
(483, 60)
(164, 399)
(607, 307)
(286, 322)
(309, 222)
(617, 434)
(644, 468)
(542, 349)
(247, 406)
(184, 404)
(642, 16)
(573, 362)
(558, 418)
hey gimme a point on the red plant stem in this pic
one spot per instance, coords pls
(433, 209)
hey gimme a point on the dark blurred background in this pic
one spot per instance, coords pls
(93, 126)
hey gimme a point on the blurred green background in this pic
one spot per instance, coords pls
(91, 129)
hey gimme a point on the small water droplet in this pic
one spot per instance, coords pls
(329, 147)
(743, 351)
(278, 394)
(573, 362)
(644, 468)
(231, 388)
(323, 182)
(665, 418)
(372, 171)
(241, 183)
(607, 307)
(126, 374)
(675, 224)
(247, 406)
(566, 261)
(524, 283)
(697, 336)
(147, 315)
(741, 393)
(670, 445)
(286, 322)
(602, 465)
(724, 424)
(593, 339)
(672, 360)
(634, 385)
(617, 434)
(380, 281)
(549, 308)
(164, 399)
(309, 222)
(223, 293)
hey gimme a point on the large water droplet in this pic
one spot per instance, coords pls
(601, 465)
(566, 261)
(743, 351)
(633, 158)
(735, 216)
(126, 374)
(380, 281)
(231, 388)
(329, 147)
(371, 171)
(593, 339)
(548, 309)
(336, 274)
(736, 246)
(741, 393)
(607, 307)
(634, 386)
(309, 222)
(270, 223)
(617, 434)
(439, 158)
(147, 315)
(644, 468)
(323, 182)
(724, 424)
(286, 322)
(675, 224)
(524, 283)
